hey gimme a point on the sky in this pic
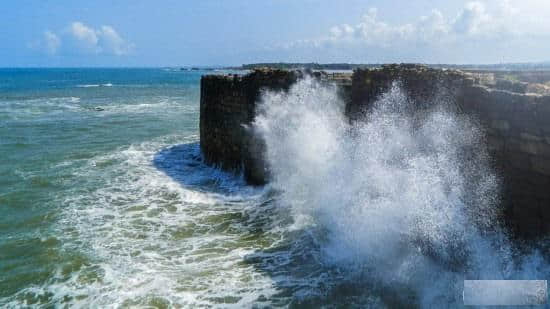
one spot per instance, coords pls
(63, 33)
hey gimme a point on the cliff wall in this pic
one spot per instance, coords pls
(227, 107)
(518, 136)
(517, 126)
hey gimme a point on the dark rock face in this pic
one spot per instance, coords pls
(421, 84)
(518, 138)
(517, 126)
(227, 108)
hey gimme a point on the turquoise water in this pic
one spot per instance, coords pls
(106, 202)
(92, 208)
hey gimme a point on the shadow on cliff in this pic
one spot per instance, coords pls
(184, 164)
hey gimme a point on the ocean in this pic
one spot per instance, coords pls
(103, 196)
(106, 202)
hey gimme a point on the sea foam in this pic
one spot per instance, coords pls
(405, 197)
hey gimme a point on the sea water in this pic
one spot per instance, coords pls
(106, 201)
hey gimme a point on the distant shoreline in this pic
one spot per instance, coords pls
(525, 66)
(541, 66)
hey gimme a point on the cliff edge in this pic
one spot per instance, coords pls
(515, 121)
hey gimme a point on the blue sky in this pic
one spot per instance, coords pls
(232, 32)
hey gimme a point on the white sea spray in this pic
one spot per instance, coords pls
(405, 195)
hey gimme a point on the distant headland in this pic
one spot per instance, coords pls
(523, 66)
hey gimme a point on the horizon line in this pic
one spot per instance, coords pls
(544, 63)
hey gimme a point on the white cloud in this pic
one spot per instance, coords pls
(51, 42)
(479, 27)
(111, 40)
(473, 19)
(85, 36)
(85, 39)
(103, 40)
(433, 26)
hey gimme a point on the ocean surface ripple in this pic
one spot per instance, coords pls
(107, 202)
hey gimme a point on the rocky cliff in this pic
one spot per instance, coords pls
(517, 125)
(227, 107)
